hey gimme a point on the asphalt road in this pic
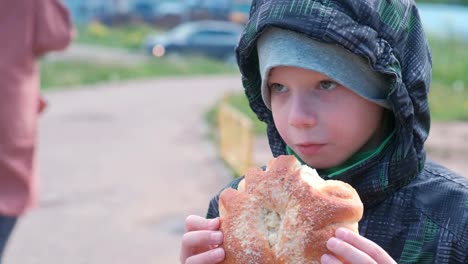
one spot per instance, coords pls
(121, 167)
(98, 54)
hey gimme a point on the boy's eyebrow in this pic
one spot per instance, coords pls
(269, 81)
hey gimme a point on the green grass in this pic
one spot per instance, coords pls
(448, 103)
(448, 96)
(450, 60)
(127, 37)
(239, 101)
(63, 74)
(458, 2)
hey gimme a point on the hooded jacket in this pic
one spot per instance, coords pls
(414, 209)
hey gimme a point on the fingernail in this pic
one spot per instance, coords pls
(216, 237)
(341, 232)
(326, 259)
(217, 254)
(332, 243)
(213, 222)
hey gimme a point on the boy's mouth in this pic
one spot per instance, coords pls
(309, 148)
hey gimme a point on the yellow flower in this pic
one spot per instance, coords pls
(97, 29)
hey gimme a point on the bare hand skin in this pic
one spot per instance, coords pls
(354, 249)
(201, 240)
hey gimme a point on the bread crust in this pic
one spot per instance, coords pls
(285, 214)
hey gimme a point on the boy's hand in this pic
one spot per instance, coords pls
(353, 248)
(201, 240)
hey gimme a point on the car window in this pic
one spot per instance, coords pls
(181, 32)
(212, 36)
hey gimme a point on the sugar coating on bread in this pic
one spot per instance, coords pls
(285, 214)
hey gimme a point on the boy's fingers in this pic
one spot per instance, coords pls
(198, 241)
(329, 259)
(365, 245)
(195, 223)
(349, 253)
(202, 238)
(213, 256)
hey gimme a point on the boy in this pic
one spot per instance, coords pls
(343, 86)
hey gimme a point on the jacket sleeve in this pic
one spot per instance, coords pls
(53, 29)
(213, 211)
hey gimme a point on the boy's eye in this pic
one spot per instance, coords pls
(277, 87)
(328, 85)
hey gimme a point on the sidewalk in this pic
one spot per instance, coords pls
(122, 165)
(98, 54)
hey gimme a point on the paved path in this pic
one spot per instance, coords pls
(99, 54)
(121, 167)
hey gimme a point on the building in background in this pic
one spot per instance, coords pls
(161, 12)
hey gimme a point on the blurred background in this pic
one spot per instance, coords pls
(128, 145)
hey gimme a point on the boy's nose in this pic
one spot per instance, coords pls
(301, 114)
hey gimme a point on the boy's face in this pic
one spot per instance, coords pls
(322, 121)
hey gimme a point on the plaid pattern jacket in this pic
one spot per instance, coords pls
(415, 209)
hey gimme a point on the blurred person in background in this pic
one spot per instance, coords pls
(28, 30)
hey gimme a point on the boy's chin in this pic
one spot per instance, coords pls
(321, 164)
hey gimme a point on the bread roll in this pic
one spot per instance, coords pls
(285, 214)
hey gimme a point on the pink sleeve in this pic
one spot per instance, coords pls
(53, 27)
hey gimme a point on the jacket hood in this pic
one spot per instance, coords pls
(390, 35)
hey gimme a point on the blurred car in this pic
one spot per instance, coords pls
(214, 39)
